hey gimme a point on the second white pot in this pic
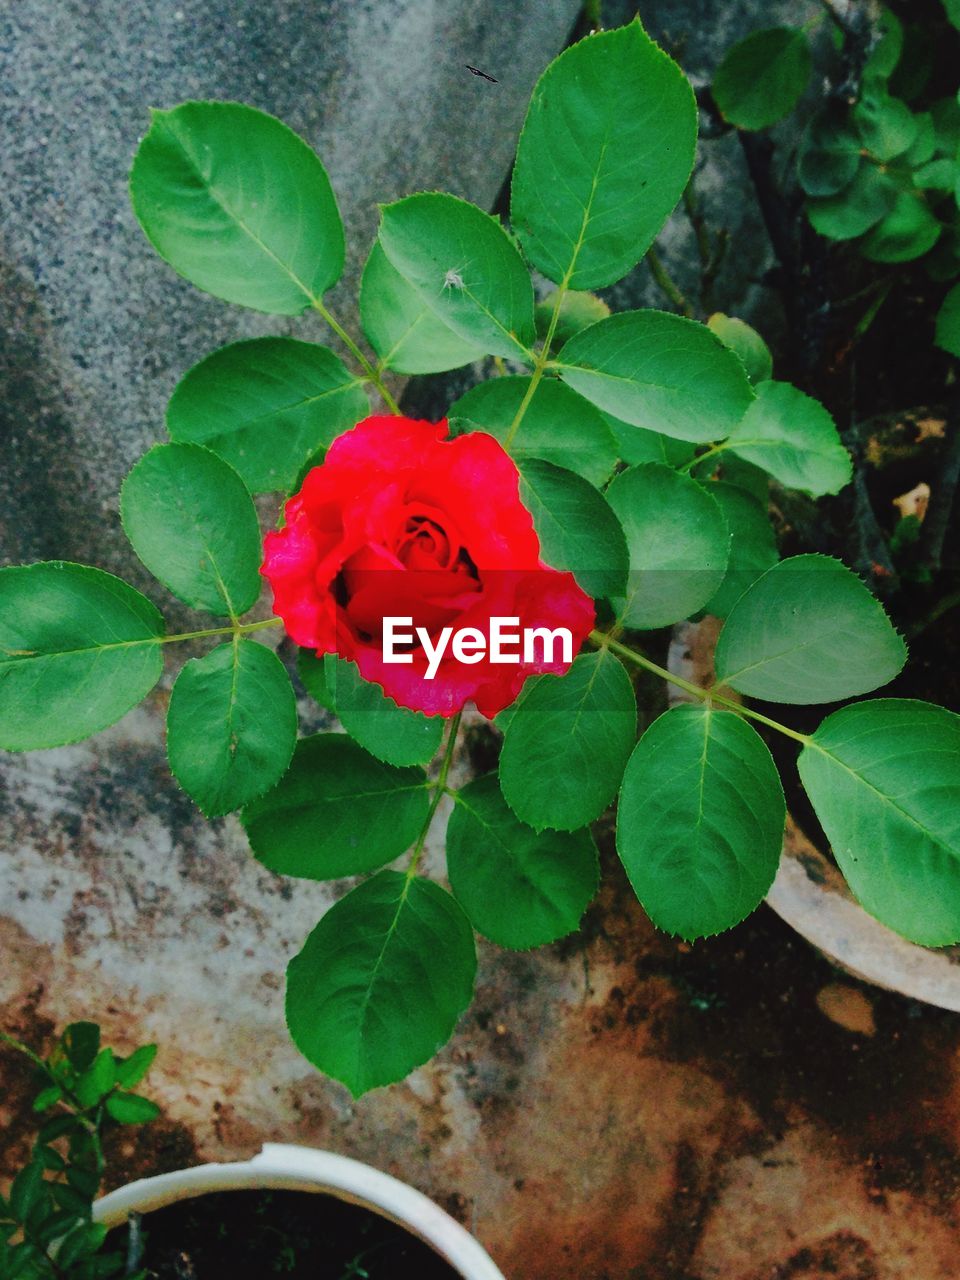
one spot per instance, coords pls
(280, 1167)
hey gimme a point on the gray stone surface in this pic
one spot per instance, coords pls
(96, 329)
(697, 33)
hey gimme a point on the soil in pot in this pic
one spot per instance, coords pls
(252, 1235)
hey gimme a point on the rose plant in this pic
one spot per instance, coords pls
(611, 479)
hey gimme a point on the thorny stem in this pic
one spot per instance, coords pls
(369, 372)
(440, 790)
(604, 641)
(667, 284)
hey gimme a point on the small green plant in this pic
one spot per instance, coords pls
(879, 161)
(47, 1230)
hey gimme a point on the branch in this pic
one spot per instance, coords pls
(859, 22)
(667, 284)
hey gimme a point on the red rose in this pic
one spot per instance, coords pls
(399, 521)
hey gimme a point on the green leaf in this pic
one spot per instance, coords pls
(47, 1225)
(576, 527)
(908, 231)
(913, 72)
(47, 1098)
(808, 631)
(192, 522)
(661, 372)
(519, 888)
(886, 125)
(318, 677)
(381, 981)
(942, 264)
(794, 438)
(736, 471)
(634, 445)
(130, 1108)
(884, 778)
(744, 340)
(852, 212)
(700, 820)
(948, 321)
(925, 143)
(239, 205)
(402, 329)
(565, 748)
(678, 540)
(52, 1160)
(130, 1071)
(265, 406)
(605, 153)
(938, 175)
(946, 124)
(78, 649)
(84, 1240)
(81, 1044)
(753, 547)
(388, 731)
(464, 267)
(27, 1189)
(578, 310)
(231, 725)
(830, 152)
(885, 54)
(952, 10)
(97, 1080)
(338, 811)
(762, 78)
(558, 425)
(71, 1201)
(56, 1128)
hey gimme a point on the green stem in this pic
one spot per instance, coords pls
(813, 22)
(668, 285)
(25, 1050)
(370, 373)
(540, 364)
(440, 791)
(240, 629)
(698, 226)
(702, 457)
(703, 695)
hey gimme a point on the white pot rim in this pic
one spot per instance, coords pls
(285, 1167)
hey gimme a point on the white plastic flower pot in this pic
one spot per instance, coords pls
(280, 1167)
